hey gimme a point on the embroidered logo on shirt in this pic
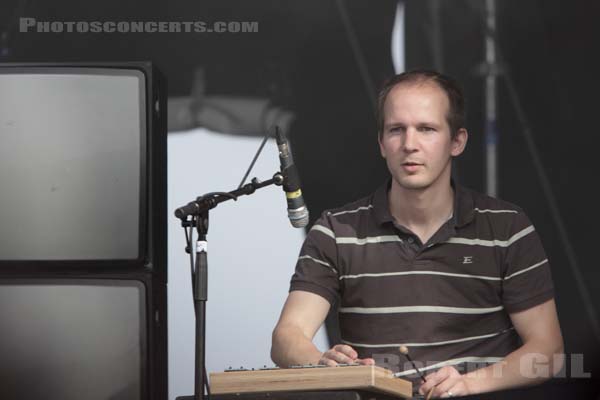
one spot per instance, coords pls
(467, 260)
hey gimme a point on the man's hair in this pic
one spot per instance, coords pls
(456, 111)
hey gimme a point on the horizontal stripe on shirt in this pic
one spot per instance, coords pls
(365, 208)
(469, 276)
(321, 228)
(454, 240)
(495, 211)
(453, 361)
(384, 274)
(367, 240)
(440, 343)
(412, 309)
(526, 269)
(370, 206)
(306, 257)
(493, 243)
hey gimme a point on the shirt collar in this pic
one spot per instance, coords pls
(381, 205)
(463, 204)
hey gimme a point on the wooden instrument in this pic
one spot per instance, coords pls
(358, 377)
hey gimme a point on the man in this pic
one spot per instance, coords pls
(456, 276)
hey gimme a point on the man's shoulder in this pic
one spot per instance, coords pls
(500, 217)
(348, 214)
(486, 204)
(362, 204)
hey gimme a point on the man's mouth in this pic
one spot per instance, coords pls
(411, 167)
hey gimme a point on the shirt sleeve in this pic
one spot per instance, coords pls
(527, 279)
(316, 269)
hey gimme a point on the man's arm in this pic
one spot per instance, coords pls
(539, 358)
(303, 313)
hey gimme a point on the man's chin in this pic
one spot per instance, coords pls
(412, 183)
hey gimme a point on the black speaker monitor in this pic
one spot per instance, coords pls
(83, 235)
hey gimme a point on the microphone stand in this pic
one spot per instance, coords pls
(195, 214)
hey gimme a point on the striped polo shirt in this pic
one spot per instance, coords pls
(448, 300)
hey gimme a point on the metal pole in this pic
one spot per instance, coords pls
(437, 46)
(491, 133)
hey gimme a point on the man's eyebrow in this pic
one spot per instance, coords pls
(419, 124)
(428, 123)
(394, 124)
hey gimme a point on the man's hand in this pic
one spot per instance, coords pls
(343, 354)
(446, 382)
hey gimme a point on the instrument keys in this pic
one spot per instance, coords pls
(265, 368)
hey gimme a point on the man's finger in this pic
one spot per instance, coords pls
(338, 357)
(328, 362)
(431, 380)
(428, 384)
(365, 361)
(435, 378)
(345, 349)
(441, 390)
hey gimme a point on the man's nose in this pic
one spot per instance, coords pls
(410, 140)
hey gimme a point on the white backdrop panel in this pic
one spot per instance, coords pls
(252, 251)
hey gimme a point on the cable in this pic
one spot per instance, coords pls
(206, 385)
(264, 141)
(188, 239)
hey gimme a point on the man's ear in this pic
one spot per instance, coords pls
(381, 150)
(459, 142)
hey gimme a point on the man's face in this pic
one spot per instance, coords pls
(416, 140)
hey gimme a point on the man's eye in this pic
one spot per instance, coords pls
(427, 129)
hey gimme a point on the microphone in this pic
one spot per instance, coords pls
(297, 211)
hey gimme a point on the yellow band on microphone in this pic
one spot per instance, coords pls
(293, 195)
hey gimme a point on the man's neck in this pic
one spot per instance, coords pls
(421, 210)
